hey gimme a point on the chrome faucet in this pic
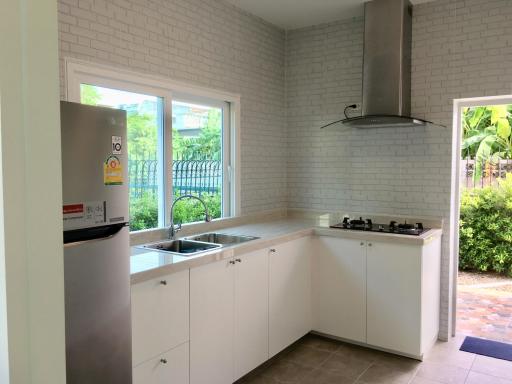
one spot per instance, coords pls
(175, 228)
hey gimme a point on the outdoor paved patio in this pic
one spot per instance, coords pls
(484, 306)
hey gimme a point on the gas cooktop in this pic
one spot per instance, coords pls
(393, 227)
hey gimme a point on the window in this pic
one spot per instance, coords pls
(200, 162)
(178, 143)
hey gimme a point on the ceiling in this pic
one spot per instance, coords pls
(292, 14)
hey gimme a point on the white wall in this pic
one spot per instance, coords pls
(31, 239)
(461, 48)
(203, 42)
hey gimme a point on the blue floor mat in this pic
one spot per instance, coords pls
(489, 348)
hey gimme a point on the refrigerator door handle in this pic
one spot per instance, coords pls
(83, 236)
(81, 242)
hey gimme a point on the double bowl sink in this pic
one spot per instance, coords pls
(194, 245)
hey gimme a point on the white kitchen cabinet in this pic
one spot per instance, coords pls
(339, 287)
(229, 318)
(403, 296)
(212, 323)
(170, 367)
(160, 315)
(289, 293)
(251, 311)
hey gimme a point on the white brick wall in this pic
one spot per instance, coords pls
(460, 49)
(203, 42)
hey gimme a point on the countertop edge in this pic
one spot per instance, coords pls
(255, 245)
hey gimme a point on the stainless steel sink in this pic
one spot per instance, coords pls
(182, 247)
(221, 238)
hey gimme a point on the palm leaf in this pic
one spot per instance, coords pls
(483, 154)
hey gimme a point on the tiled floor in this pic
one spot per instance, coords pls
(315, 360)
(486, 316)
(484, 306)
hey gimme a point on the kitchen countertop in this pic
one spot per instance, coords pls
(149, 264)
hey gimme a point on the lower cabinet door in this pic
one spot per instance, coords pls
(289, 293)
(394, 297)
(251, 311)
(339, 287)
(212, 323)
(169, 368)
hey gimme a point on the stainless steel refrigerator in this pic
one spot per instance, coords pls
(96, 245)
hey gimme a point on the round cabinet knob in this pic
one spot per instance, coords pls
(369, 244)
(163, 282)
(163, 361)
(362, 243)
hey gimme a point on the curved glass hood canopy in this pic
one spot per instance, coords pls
(380, 121)
(386, 68)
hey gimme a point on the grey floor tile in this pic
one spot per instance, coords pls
(422, 380)
(320, 376)
(381, 374)
(446, 374)
(347, 365)
(358, 353)
(450, 356)
(284, 371)
(307, 356)
(257, 379)
(321, 343)
(493, 367)
(480, 378)
(398, 363)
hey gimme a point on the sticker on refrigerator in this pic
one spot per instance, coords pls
(117, 145)
(82, 214)
(112, 171)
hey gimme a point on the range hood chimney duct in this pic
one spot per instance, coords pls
(386, 67)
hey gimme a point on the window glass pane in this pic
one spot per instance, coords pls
(145, 124)
(197, 160)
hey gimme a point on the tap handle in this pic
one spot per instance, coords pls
(207, 218)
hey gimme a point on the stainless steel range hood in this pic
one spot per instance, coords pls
(386, 67)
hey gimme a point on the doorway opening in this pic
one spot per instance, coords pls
(484, 216)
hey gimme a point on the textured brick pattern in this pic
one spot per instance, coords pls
(460, 49)
(203, 42)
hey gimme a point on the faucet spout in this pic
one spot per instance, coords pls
(173, 229)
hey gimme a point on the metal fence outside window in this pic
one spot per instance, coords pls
(189, 176)
(491, 173)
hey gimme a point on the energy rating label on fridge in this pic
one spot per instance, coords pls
(112, 171)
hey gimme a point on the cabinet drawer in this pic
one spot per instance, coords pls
(169, 367)
(160, 315)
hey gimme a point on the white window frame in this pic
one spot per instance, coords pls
(82, 72)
